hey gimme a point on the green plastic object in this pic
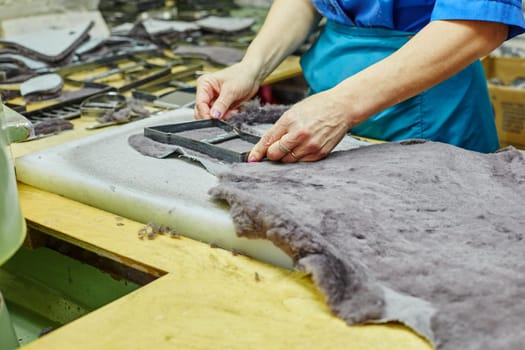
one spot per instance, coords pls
(18, 128)
(45, 289)
(13, 127)
(8, 339)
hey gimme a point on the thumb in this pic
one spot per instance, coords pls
(223, 103)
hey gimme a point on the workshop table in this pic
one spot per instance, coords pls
(202, 297)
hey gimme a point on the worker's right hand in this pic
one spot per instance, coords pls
(219, 93)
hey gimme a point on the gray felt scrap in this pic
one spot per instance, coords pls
(156, 26)
(424, 233)
(45, 83)
(159, 150)
(49, 45)
(22, 60)
(218, 54)
(225, 24)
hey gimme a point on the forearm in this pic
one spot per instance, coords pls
(286, 27)
(436, 53)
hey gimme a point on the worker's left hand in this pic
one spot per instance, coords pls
(306, 132)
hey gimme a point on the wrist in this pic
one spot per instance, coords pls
(348, 105)
(255, 68)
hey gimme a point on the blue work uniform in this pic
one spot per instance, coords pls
(359, 33)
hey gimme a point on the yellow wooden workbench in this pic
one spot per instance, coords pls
(204, 298)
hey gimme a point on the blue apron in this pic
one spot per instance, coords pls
(456, 111)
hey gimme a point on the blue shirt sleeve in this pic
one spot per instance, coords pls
(508, 12)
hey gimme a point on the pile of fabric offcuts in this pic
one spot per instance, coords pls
(33, 53)
(30, 54)
(24, 55)
(46, 66)
(186, 36)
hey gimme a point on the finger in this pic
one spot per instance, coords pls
(260, 149)
(292, 157)
(313, 157)
(273, 134)
(230, 112)
(281, 148)
(202, 111)
(204, 97)
(318, 154)
(307, 150)
(223, 103)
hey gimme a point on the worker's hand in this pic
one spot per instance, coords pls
(306, 132)
(219, 93)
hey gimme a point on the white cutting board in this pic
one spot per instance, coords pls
(105, 172)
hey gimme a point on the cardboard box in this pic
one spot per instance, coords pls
(508, 101)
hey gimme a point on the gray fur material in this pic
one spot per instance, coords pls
(422, 232)
(252, 113)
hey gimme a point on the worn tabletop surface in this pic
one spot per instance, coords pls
(205, 298)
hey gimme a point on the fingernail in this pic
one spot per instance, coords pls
(215, 114)
(251, 159)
